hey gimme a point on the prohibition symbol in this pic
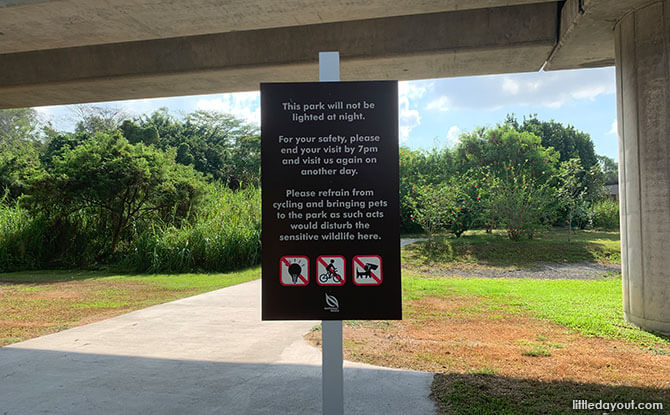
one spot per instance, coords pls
(330, 270)
(294, 271)
(367, 270)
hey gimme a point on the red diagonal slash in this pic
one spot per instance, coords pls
(326, 265)
(371, 273)
(299, 275)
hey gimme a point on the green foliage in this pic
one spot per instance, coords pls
(498, 148)
(606, 214)
(433, 208)
(521, 203)
(567, 141)
(20, 124)
(417, 169)
(220, 146)
(609, 168)
(19, 161)
(136, 134)
(118, 184)
(225, 236)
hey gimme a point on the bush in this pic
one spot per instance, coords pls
(606, 214)
(520, 203)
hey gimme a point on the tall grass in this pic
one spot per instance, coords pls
(224, 236)
(21, 238)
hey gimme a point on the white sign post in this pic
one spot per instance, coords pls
(331, 330)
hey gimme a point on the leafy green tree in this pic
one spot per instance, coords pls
(136, 134)
(118, 184)
(571, 191)
(221, 146)
(610, 169)
(433, 208)
(421, 168)
(497, 148)
(568, 141)
(19, 150)
(21, 124)
(521, 203)
(93, 119)
(19, 162)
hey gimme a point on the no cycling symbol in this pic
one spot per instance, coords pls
(367, 270)
(330, 270)
(294, 271)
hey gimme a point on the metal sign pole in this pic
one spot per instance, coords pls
(331, 330)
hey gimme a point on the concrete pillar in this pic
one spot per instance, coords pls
(643, 102)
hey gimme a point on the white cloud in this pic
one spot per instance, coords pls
(538, 89)
(453, 135)
(614, 129)
(510, 86)
(413, 90)
(440, 104)
(409, 118)
(409, 93)
(245, 105)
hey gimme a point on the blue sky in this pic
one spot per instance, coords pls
(434, 112)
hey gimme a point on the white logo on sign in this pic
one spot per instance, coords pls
(332, 304)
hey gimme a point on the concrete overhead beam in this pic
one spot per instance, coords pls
(27, 25)
(471, 42)
(587, 33)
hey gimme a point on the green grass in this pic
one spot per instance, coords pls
(478, 247)
(592, 307)
(187, 281)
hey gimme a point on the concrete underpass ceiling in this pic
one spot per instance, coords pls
(70, 51)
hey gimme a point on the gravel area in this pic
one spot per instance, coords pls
(578, 271)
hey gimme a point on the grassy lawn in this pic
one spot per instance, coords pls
(592, 307)
(33, 304)
(480, 248)
(516, 345)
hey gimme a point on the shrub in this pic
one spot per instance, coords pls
(606, 214)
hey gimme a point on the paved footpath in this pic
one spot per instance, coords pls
(207, 354)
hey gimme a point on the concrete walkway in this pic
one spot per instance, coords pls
(208, 354)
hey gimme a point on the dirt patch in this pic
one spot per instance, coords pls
(32, 310)
(458, 335)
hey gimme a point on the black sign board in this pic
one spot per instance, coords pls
(331, 242)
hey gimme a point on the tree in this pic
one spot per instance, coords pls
(136, 134)
(18, 124)
(221, 146)
(497, 148)
(610, 169)
(567, 141)
(571, 192)
(19, 150)
(118, 184)
(92, 119)
(421, 168)
(433, 208)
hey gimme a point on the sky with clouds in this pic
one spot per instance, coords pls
(434, 112)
